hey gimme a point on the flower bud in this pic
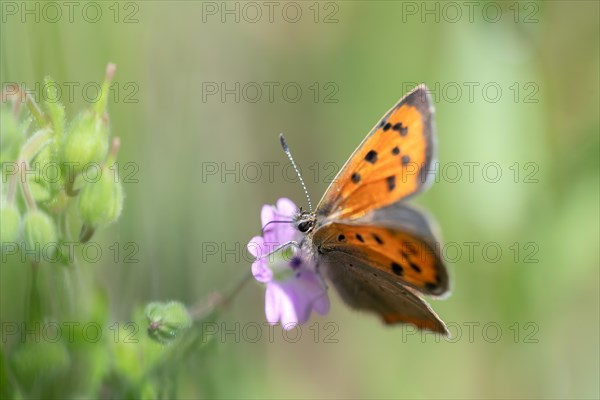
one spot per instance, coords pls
(167, 320)
(87, 139)
(40, 231)
(100, 202)
(86, 142)
(46, 180)
(11, 224)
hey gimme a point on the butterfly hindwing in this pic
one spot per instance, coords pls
(391, 163)
(363, 287)
(396, 240)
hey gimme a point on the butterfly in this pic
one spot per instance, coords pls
(378, 252)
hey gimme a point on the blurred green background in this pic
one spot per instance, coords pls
(525, 323)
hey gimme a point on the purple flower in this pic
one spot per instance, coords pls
(294, 288)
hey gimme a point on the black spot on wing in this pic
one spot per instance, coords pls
(391, 182)
(377, 238)
(371, 157)
(415, 267)
(400, 129)
(397, 269)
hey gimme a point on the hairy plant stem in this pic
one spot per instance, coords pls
(216, 301)
(32, 146)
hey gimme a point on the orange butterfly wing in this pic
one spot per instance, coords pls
(390, 164)
(396, 240)
(370, 243)
(394, 303)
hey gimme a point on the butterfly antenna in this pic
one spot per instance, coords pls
(289, 154)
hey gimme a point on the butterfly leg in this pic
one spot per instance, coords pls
(283, 246)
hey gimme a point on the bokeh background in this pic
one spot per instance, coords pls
(525, 322)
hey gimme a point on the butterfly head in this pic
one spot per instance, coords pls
(305, 221)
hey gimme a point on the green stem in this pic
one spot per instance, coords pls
(200, 311)
(25, 187)
(32, 146)
(34, 309)
(35, 143)
(36, 111)
(193, 340)
(24, 166)
(12, 188)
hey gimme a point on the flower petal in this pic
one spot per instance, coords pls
(286, 208)
(272, 304)
(321, 304)
(261, 271)
(290, 305)
(256, 246)
(267, 214)
(279, 233)
(288, 233)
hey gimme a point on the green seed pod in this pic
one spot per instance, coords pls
(86, 142)
(11, 224)
(100, 202)
(40, 233)
(46, 181)
(40, 191)
(167, 320)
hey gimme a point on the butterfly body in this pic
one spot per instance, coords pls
(378, 252)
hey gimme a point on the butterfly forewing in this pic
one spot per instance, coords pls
(354, 281)
(392, 162)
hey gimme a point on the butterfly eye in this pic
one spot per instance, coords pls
(304, 226)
